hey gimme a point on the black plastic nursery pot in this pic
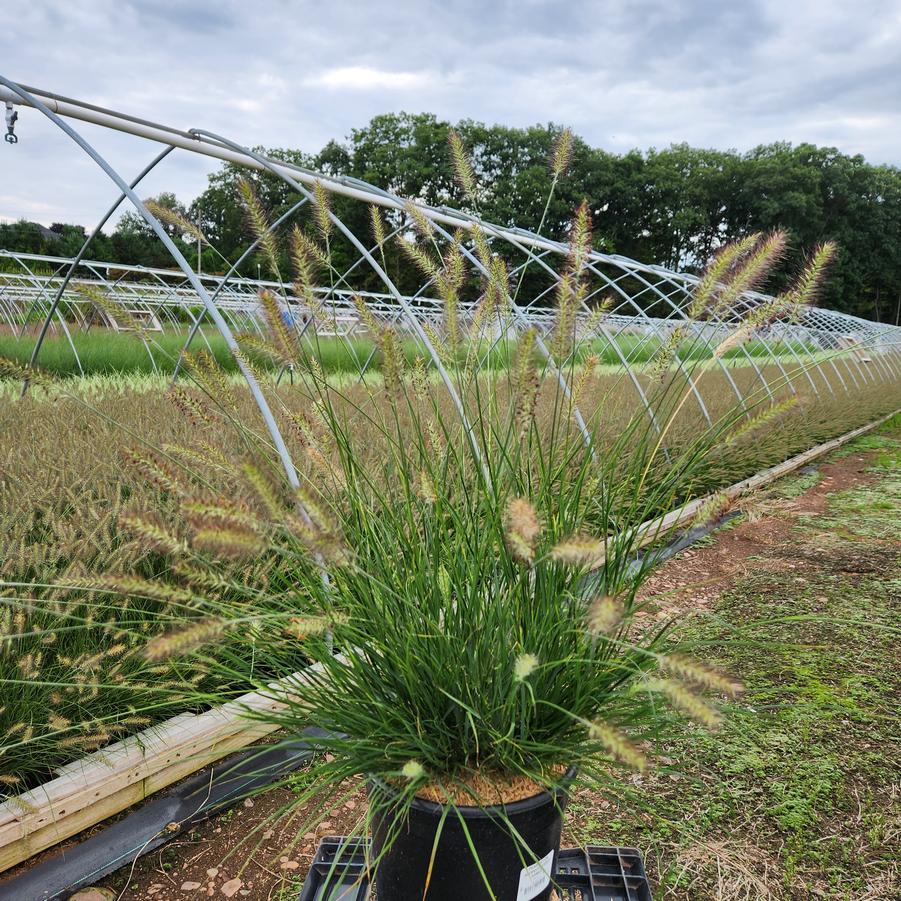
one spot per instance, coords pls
(513, 873)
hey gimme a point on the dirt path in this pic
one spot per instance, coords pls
(248, 853)
(694, 580)
(799, 796)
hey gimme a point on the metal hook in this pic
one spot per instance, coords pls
(11, 117)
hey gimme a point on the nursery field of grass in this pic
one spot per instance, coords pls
(105, 352)
(797, 797)
(64, 491)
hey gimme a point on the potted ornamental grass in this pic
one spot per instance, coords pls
(455, 584)
(463, 625)
(457, 593)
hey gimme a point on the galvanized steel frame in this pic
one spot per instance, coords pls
(868, 352)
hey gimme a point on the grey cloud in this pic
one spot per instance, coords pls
(201, 18)
(279, 73)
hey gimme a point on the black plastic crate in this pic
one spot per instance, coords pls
(594, 873)
(601, 873)
(338, 872)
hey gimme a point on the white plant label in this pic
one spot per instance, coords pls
(535, 879)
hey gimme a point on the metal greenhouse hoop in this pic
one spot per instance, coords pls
(857, 352)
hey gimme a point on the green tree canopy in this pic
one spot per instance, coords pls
(674, 206)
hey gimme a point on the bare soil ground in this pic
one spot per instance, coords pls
(694, 580)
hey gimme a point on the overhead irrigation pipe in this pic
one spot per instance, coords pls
(75, 109)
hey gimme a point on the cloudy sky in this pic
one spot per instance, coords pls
(622, 73)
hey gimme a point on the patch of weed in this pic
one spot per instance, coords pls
(798, 783)
(795, 486)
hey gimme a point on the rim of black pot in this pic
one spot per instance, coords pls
(475, 811)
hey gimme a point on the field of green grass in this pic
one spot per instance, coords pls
(105, 352)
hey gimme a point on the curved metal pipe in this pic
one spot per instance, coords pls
(80, 256)
(153, 222)
(377, 268)
(196, 325)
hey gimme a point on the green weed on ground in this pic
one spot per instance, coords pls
(796, 486)
(797, 797)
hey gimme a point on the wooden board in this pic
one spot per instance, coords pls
(656, 528)
(107, 781)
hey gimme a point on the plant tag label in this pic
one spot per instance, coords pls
(535, 879)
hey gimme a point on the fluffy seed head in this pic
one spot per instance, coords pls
(580, 238)
(131, 585)
(259, 224)
(58, 723)
(413, 770)
(421, 222)
(184, 640)
(321, 209)
(307, 258)
(579, 551)
(425, 487)
(525, 382)
(233, 542)
(282, 337)
(521, 529)
(561, 155)
(604, 614)
(588, 366)
(152, 532)
(378, 226)
(175, 219)
(392, 362)
(715, 507)
(264, 489)
(13, 369)
(685, 700)
(524, 666)
(190, 406)
(420, 258)
(699, 674)
(761, 419)
(716, 274)
(111, 307)
(303, 627)
(462, 166)
(805, 289)
(617, 745)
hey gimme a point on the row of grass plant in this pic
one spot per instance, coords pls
(464, 524)
(103, 351)
(65, 493)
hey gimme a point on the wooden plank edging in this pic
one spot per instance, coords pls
(129, 770)
(650, 531)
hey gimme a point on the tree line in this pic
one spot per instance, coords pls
(674, 206)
